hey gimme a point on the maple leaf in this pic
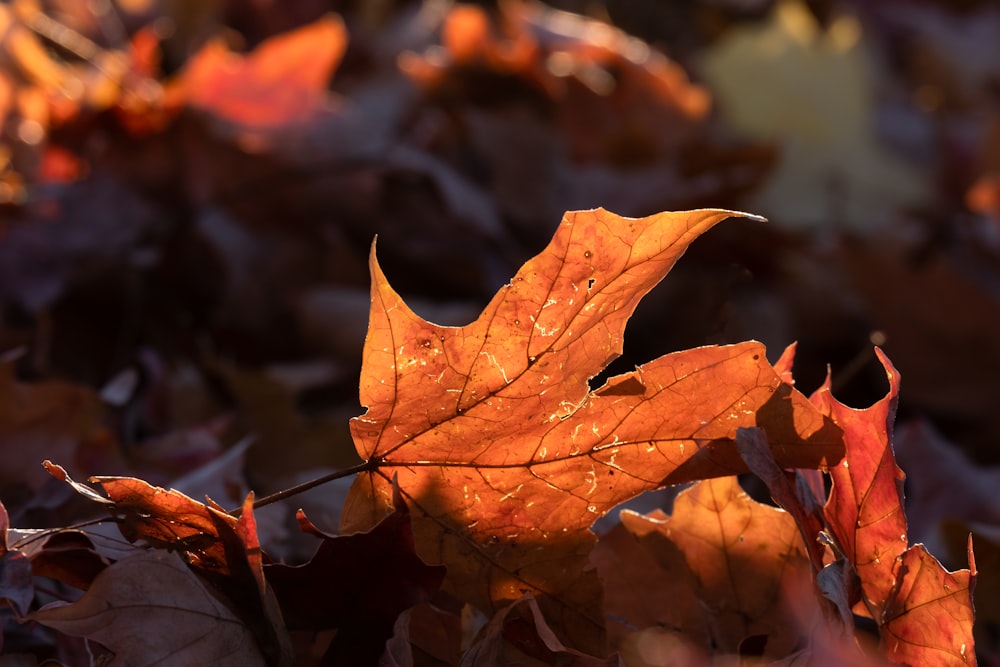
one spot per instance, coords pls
(505, 455)
(640, 571)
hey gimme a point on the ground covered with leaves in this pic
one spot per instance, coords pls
(192, 296)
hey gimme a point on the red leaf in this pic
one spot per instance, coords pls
(282, 81)
(928, 616)
(69, 556)
(865, 509)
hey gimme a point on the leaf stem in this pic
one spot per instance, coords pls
(371, 464)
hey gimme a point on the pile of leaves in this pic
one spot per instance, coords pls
(486, 460)
(186, 202)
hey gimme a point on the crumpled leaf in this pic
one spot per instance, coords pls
(507, 508)
(865, 508)
(70, 557)
(150, 608)
(427, 633)
(168, 519)
(928, 616)
(923, 612)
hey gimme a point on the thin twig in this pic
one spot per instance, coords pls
(48, 532)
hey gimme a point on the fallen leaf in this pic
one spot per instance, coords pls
(923, 612)
(244, 584)
(282, 82)
(865, 508)
(47, 419)
(425, 635)
(790, 491)
(641, 570)
(356, 584)
(168, 519)
(222, 549)
(742, 555)
(70, 557)
(150, 608)
(507, 508)
(519, 635)
(928, 615)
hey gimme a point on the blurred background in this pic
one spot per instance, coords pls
(189, 191)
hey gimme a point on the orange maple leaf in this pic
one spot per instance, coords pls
(505, 454)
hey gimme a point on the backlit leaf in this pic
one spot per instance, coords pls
(929, 615)
(865, 509)
(742, 556)
(505, 455)
(168, 519)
